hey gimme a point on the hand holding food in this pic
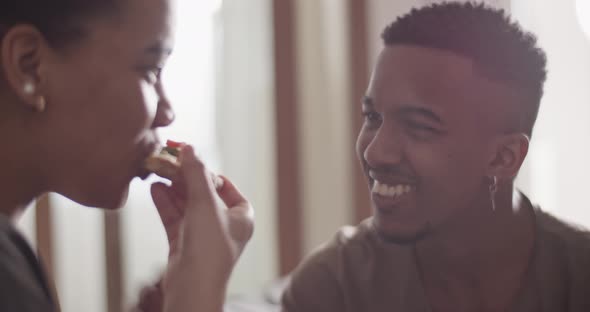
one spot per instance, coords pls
(206, 237)
(166, 164)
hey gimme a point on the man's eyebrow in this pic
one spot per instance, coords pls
(409, 110)
(421, 111)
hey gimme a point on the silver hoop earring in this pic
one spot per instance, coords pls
(40, 104)
(493, 190)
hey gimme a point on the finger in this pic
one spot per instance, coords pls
(230, 194)
(238, 205)
(197, 180)
(240, 213)
(151, 299)
(241, 226)
(217, 181)
(169, 213)
(178, 194)
(165, 200)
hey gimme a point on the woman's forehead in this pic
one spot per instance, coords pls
(141, 26)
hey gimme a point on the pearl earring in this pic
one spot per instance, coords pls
(29, 88)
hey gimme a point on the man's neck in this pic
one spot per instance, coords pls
(481, 252)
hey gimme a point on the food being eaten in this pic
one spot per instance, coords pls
(166, 164)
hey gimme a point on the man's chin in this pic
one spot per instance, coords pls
(396, 235)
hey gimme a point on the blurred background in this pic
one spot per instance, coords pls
(269, 93)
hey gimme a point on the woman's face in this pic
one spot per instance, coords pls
(105, 101)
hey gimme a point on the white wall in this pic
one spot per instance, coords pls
(380, 14)
(245, 127)
(79, 256)
(324, 118)
(557, 168)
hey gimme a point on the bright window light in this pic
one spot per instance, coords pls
(583, 11)
(189, 82)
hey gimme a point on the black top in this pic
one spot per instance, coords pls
(23, 285)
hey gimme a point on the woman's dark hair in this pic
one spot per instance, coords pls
(60, 21)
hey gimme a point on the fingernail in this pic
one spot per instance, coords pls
(218, 181)
(187, 150)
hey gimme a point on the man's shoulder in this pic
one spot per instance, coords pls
(353, 243)
(355, 250)
(565, 238)
(353, 237)
(569, 234)
(347, 272)
(565, 249)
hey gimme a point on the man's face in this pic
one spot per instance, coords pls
(425, 141)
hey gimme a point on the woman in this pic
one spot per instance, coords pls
(80, 102)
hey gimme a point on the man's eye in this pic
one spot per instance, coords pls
(421, 127)
(372, 117)
(421, 131)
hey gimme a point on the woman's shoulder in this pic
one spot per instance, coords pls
(22, 284)
(13, 246)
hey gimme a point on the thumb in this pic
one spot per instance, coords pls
(169, 213)
(230, 194)
(240, 212)
(199, 186)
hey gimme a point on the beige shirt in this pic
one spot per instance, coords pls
(356, 271)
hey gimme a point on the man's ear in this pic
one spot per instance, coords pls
(507, 155)
(23, 49)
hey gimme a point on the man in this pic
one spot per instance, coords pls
(448, 115)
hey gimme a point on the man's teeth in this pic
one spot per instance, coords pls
(390, 190)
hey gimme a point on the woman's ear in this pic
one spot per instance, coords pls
(508, 154)
(23, 50)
